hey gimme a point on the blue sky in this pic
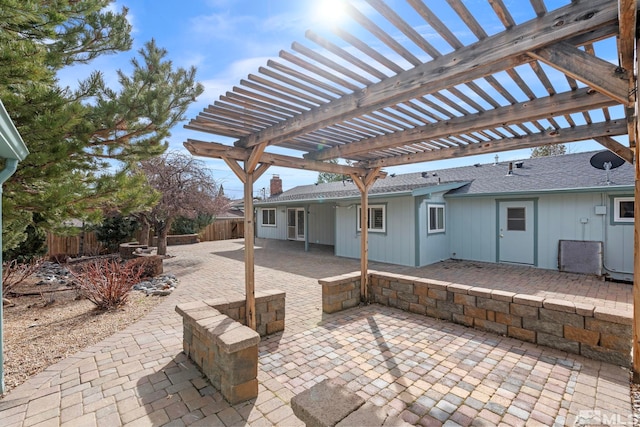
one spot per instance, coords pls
(228, 39)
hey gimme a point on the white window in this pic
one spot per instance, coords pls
(269, 217)
(376, 220)
(623, 209)
(436, 218)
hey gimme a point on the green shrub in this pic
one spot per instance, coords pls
(115, 230)
(33, 246)
(184, 225)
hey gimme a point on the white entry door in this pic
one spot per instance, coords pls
(295, 224)
(516, 232)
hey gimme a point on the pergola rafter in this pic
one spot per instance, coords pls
(381, 93)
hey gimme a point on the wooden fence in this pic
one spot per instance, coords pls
(83, 244)
(223, 229)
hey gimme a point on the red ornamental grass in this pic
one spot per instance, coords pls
(108, 282)
(14, 273)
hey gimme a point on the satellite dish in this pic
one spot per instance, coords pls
(606, 160)
(600, 160)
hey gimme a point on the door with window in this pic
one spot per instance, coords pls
(516, 232)
(295, 224)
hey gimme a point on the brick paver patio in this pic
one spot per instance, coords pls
(427, 371)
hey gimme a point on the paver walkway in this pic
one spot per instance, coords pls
(427, 371)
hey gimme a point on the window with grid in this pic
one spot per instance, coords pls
(269, 217)
(376, 218)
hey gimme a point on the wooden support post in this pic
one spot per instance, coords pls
(249, 240)
(251, 172)
(364, 184)
(636, 240)
(364, 245)
(636, 268)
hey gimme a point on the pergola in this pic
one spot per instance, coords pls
(434, 83)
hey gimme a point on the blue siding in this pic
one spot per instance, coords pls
(396, 245)
(321, 227)
(322, 224)
(279, 232)
(432, 247)
(472, 229)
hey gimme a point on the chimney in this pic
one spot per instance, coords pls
(275, 186)
(510, 172)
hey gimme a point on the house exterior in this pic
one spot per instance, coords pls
(549, 212)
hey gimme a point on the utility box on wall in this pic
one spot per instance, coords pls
(580, 256)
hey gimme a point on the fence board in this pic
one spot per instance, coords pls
(223, 229)
(70, 245)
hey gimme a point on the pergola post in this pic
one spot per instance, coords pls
(364, 245)
(636, 237)
(248, 176)
(249, 240)
(636, 267)
(364, 184)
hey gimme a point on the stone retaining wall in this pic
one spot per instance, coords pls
(594, 332)
(216, 339)
(269, 310)
(225, 350)
(179, 239)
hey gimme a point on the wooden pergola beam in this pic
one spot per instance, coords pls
(477, 60)
(225, 152)
(628, 47)
(627, 12)
(540, 108)
(579, 133)
(236, 168)
(611, 144)
(597, 73)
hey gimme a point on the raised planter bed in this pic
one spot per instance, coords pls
(179, 239)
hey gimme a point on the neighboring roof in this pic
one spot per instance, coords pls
(233, 210)
(543, 174)
(231, 214)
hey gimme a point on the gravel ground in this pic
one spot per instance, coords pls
(41, 330)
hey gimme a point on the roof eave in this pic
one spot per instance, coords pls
(603, 189)
(11, 144)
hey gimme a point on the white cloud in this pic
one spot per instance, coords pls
(219, 26)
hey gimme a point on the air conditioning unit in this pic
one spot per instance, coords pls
(580, 256)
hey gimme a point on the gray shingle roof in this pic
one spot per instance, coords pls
(570, 171)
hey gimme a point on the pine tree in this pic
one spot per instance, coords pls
(78, 136)
(324, 177)
(549, 150)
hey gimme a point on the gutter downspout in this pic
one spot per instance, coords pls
(9, 169)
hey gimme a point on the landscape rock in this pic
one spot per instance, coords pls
(51, 273)
(161, 285)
